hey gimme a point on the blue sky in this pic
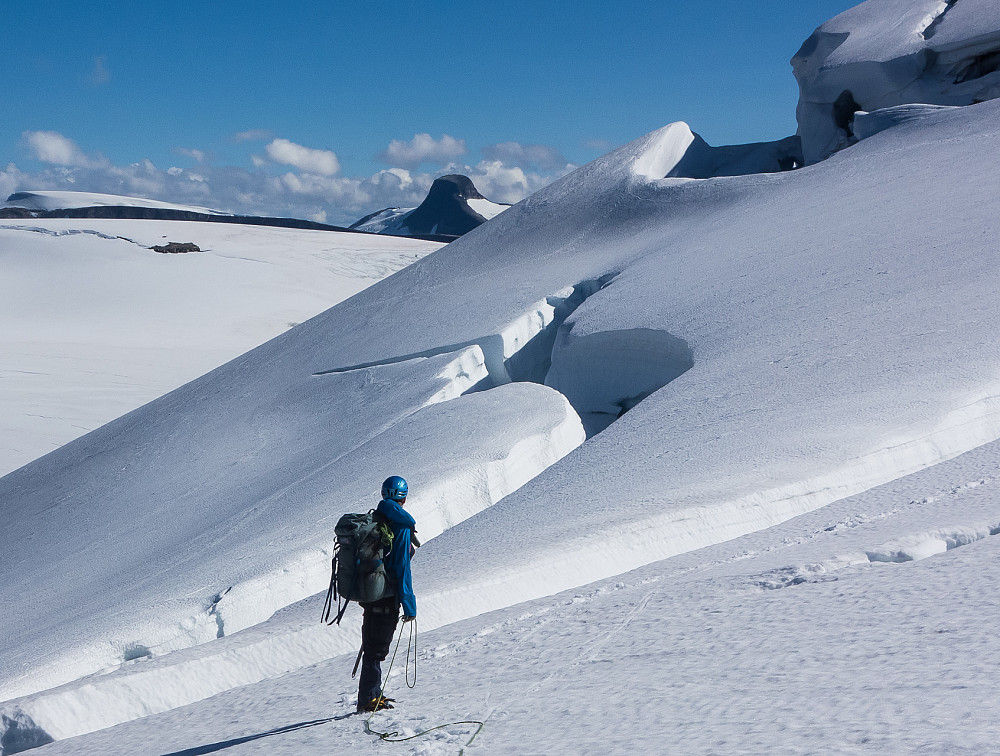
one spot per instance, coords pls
(316, 109)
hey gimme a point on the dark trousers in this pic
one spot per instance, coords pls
(377, 630)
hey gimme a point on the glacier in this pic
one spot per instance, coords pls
(727, 436)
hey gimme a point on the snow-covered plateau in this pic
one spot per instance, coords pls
(97, 323)
(704, 454)
(62, 200)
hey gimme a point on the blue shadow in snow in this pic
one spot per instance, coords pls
(213, 747)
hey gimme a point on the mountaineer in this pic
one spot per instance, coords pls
(381, 617)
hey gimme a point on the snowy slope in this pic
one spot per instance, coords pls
(61, 200)
(486, 208)
(96, 324)
(866, 627)
(382, 221)
(821, 358)
(740, 352)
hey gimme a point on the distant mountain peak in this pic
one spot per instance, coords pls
(453, 207)
(454, 183)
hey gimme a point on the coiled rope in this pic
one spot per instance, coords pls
(394, 737)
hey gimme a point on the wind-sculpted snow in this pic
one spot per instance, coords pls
(678, 152)
(869, 124)
(251, 541)
(605, 374)
(885, 53)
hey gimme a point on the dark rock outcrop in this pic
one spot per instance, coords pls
(444, 210)
(176, 248)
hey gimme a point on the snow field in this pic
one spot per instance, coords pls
(455, 489)
(504, 573)
(96, 324)
(693, 654)
(292, 640)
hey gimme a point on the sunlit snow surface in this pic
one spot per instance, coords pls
(58, 200)
(808, 637)
(96, 324)
(486, 208)
(819, 333)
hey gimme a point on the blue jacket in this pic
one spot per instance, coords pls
(397, 561)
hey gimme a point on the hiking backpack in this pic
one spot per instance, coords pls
(358, 573)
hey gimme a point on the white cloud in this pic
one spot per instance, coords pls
(10, 177)
(423, 148)
(253, 135)
(302, 192)
(323, 162)
(506, 183)
(538, 156)
(393, 178)
(52, 147)
(196, 155)
(499, 182)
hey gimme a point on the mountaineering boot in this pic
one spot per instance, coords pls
(376, 704)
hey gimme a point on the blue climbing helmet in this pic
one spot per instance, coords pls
(394, 488)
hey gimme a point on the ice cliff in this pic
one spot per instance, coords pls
(887, 53)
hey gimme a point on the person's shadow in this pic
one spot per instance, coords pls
(213, 747)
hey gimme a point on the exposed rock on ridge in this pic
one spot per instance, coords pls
(444, 212)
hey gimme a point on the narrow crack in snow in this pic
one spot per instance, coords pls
(71, 232)
(935, 19)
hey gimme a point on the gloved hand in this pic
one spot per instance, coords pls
(408, 618)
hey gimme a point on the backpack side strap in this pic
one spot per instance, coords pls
(331, 593)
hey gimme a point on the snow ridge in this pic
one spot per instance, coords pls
(71, 232)
(62, 200)
(936, 17)
(909, 548)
